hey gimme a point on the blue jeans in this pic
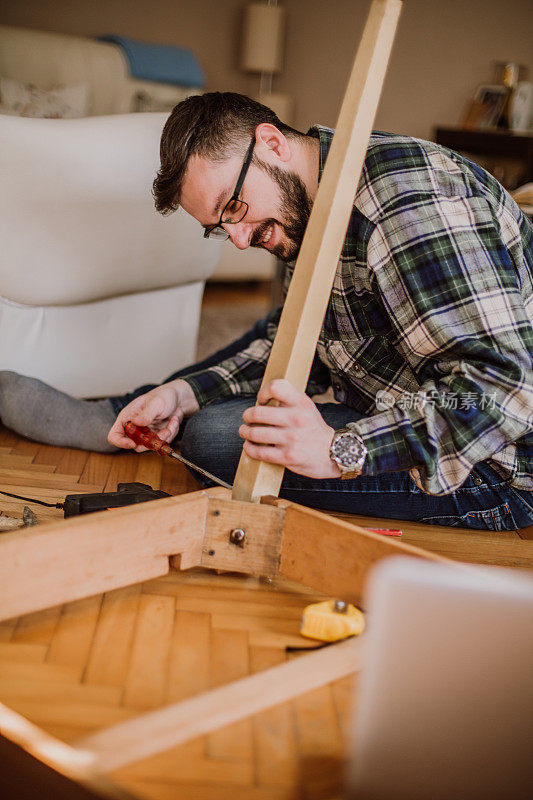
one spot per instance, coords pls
(209, 438)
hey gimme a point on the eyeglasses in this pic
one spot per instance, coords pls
(235, 210)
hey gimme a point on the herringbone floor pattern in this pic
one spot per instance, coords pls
(91, 663)
(88, 664)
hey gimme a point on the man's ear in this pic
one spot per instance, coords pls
(269, 141)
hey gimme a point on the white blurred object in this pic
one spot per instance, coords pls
(98, 292)
(48, 60)
(521, 108)
(445, 703)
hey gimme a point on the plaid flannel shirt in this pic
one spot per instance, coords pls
(428, 332)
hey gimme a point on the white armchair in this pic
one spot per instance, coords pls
(98, 292)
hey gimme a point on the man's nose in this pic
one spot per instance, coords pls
(240, 234)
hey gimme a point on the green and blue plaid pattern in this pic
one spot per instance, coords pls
(429, 328)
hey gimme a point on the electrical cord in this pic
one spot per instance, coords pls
(32, 500)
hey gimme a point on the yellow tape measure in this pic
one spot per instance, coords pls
(331, 621)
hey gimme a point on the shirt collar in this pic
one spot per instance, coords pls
(324, 136)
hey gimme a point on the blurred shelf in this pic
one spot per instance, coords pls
(506, 154)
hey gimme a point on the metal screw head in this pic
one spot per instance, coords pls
(237, 536)
(340, 606)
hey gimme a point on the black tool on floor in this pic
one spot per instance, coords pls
(127, 494)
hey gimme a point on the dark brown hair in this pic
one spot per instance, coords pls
(216, 126)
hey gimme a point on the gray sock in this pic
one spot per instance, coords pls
(39, 412)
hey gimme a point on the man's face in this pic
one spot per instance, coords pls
(278, 203)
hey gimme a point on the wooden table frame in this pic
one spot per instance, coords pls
(65, 561)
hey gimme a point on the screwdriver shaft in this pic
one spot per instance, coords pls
(141, 434)
(199, 469)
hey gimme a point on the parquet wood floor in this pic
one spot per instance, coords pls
(90, 663)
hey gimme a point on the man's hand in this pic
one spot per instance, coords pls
(292, 433)
(163, 409)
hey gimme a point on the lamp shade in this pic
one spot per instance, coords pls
(262, 38)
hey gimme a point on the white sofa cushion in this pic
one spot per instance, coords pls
(77, 219)
(98, 292)
(51, 59)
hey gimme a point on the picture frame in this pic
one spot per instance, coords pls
(485, 109)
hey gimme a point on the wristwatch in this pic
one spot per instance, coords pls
(348, 451)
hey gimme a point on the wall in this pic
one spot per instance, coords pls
(443, 50)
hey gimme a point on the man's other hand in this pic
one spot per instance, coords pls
(291, 433)
(162, 409)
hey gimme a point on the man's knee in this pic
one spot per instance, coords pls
(211, 438)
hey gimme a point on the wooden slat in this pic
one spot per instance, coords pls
(97, 552)
(333, 556)
(36, 764)
(303, 312)
(160, 730)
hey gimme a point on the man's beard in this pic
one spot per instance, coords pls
(296, 205)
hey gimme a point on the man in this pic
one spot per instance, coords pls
(427, 340)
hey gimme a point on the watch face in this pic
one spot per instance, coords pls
(348, 450)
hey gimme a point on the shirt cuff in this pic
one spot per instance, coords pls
(392, 443)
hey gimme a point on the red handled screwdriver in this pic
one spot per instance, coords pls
(141, 434)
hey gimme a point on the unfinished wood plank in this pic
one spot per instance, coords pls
(86, 716)
(97, 552)
(239, 607)
(497, 548)
(186, 766)
(259, 552)
(57, 769)
(160, 730)
(333, 556)
(200, 586)
(303, 312)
